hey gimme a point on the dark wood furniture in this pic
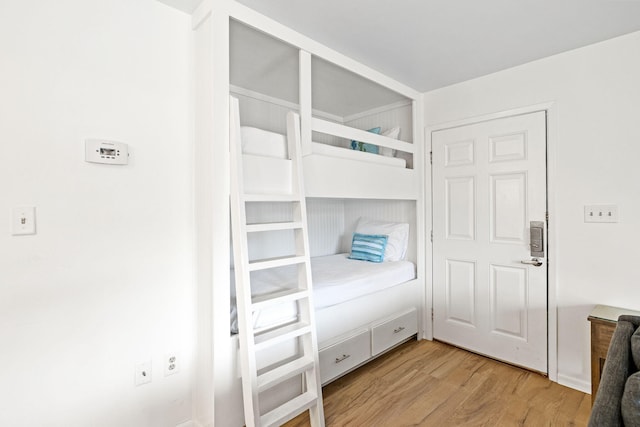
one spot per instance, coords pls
(603, 320)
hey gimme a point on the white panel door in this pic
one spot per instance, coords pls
(489, 182)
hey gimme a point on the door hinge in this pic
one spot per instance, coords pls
(431, 157)
(546, 216)
(432, 314)
(431, 236)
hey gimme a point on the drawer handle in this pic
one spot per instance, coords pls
(344, 357)
(400, 329)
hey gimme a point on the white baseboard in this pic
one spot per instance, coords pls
(574, 383)
(190, 423)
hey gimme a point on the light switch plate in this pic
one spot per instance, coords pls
(601, 213)
(23, 220)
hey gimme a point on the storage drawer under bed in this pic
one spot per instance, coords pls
(344, 355)
(392, 331)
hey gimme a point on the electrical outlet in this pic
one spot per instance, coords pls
(143, 372)
(171, 364)
(601, 213)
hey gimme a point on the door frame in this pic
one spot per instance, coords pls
(550, 108)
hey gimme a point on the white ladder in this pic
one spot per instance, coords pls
(303, 331)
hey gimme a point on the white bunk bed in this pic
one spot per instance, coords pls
(362, 308)
(360, 326)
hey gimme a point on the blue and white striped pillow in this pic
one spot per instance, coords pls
(368, 247)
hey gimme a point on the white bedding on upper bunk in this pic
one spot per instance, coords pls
(346, 153)
(260, 142)
(336, 279)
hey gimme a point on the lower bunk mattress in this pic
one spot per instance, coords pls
(336, 279)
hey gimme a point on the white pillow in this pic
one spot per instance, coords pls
(393, 133)
(398, 234)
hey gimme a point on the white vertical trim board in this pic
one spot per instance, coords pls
(554, 242)
(223, 378)
(420, 166)
(305, 91)
(552, 328)
(203, 190)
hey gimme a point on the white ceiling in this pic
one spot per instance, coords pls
(427, 44)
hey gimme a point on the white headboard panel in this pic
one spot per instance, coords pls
(400, 115)
(326, 225)
(331, 225)
(393, 115)
(381, 210)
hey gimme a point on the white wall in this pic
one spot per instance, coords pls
(595, 151)
(107, 281)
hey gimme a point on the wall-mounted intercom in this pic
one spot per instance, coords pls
(103, 151)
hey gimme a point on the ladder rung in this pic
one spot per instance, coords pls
(289, 410)
(269, 300)
(280, 334)
(283, 373)
(273, 226)
(276, 262)
(271, 198)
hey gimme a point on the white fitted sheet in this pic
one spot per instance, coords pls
(260, 142)
(336, 279)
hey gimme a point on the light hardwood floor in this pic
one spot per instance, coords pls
(425, 383)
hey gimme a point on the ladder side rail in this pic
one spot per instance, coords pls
(300, 212)
(242, 275)
(311, 378)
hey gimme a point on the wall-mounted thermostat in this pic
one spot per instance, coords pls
(109, 152)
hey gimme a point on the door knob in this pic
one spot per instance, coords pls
(533, 261)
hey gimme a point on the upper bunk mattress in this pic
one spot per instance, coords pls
(336, 279)
(260, 142)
